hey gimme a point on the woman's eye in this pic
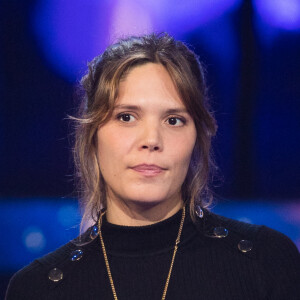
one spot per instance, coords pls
(125, 118)
(175, 121)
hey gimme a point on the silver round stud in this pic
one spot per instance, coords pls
(199, 211)
(220, 232)
(76, 255)
(55, 275)
(94, 232)
(245, 246)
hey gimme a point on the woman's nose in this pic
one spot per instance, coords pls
(151, 138)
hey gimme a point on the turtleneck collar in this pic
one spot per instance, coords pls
(146, 240)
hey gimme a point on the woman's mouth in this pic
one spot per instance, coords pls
(148, 170)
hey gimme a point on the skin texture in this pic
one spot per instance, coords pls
(147, 133)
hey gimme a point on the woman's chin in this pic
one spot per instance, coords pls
(146, 202)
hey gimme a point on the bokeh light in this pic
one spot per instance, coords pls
(283, 14)
(71, 33)
(34, 239)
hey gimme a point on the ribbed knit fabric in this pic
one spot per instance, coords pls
(206, 267)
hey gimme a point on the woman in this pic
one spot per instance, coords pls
(143, 156)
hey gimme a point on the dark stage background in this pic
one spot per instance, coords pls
(251, 50)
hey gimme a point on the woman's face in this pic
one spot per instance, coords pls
(144, 150)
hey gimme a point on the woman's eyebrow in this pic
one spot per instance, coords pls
(138, 108)
(125, 106)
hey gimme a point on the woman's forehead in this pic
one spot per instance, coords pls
(148, 84)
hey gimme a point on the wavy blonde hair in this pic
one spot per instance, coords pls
(100, 90)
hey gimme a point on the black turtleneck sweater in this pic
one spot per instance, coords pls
(208, 264)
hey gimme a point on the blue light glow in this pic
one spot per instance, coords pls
(70, 33)
(34, 239)
(284, 14)
(32, 228)
(178, 17)
(66, 215)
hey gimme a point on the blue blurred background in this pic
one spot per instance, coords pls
(251, 51)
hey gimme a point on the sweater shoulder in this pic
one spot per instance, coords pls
(43, 273)
(275, 256)
(238, 227)
(261, 237)
(228, 231)
(264, 236)
(279, 256)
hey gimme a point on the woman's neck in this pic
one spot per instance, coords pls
(133, 213)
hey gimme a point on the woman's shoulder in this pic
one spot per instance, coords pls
(274, 254)
(262, 236)
(43, 273)
(251, 239)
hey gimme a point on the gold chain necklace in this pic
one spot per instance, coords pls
(172, 262)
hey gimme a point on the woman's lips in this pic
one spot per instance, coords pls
(148, 170)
